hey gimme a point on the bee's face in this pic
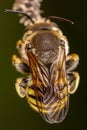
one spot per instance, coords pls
(45, 39)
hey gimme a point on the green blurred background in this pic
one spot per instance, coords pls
(15, 113)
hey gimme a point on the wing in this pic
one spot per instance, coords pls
(50, 94)
(56, 98)
(40, 76)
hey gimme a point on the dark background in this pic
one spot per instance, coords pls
(15, 113)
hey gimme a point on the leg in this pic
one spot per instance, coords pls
(72, 62)
(22, 84)
(20, 65)
(73, 78)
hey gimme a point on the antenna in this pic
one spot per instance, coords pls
(19, 12)
(60, 19)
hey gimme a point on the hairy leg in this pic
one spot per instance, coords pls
(73, 79)
(20, 65)
(22, 84)
(72, 62)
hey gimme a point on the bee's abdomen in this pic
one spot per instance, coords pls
(34, 97)
(52, 107)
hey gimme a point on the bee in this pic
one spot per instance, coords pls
(48, 68)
